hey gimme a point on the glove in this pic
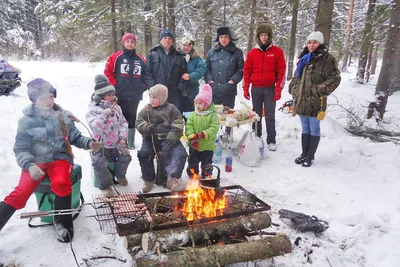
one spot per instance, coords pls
(108, 112)
(95, 146)
(193, 136)
(246, 94)
(194, 144)
(151, 128)
(166, 147)
(277, 95)
(122, 150)
(203, 135)
(35, 172)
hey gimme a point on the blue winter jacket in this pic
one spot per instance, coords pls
(40, 139)
(196, 68)
(224, 64)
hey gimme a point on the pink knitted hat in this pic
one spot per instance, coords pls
(127, 36)
(205, 95)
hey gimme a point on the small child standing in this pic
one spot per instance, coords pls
(201, 131)
(109, 126)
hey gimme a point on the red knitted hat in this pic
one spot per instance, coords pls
(127, 36)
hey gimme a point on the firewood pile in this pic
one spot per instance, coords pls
(185, 229)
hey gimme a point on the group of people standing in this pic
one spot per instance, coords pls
(46, 132)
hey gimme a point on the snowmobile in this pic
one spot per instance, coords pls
(9, 77)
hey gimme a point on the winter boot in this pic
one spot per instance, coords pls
(173, 184)
(6, 211)
(63, 224)
(147, 186)
(122, 180)
(305, 142)
(314, 141)
(131, 138)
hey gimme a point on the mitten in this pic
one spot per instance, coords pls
(108, 112)
(203, 135)
(277, 95)
(194, 144)
(151, 128)
(95, 146)
(35, 172)
(193, 136)
(246, 94)
(123, 150)
(166, 146)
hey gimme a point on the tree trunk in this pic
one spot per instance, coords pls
(147, 27)
(374, 60)
(164, 20)
(219, 255)
(292, 44)
(171, 16)
(323, 21)
(114, 27)
(171, 239)
(389, 77)
(366, 43)
(251, 26)
(207, 39)
(369, 61)
(348, 36)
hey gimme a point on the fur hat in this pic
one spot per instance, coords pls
(186, 40)
(38, 87)
(102, 88)
(126, 37)
(160, 91)
(166, 32)
(205, 95)
(264, 28)
(224, 31)
(317, 36)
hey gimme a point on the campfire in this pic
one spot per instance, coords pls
(201, 226)
(202, 202)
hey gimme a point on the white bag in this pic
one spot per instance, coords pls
(252, 150)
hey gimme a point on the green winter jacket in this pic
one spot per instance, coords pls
(319, 78)
(206, 121)
(166, 119)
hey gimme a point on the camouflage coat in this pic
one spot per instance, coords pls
(319, 78)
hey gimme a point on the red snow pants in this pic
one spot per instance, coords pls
(59, 173)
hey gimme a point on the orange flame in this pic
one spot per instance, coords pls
(201, 202)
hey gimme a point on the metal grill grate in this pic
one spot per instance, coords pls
(131, 213)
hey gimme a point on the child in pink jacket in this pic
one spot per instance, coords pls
(109, 126)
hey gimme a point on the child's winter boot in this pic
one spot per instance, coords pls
(6, 211)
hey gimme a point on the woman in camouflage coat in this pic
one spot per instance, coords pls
(317, 76)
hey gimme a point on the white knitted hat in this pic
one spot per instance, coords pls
(317, 36)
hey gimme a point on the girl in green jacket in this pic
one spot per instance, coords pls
(201, 131)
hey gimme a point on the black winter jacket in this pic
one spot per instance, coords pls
(167, 70)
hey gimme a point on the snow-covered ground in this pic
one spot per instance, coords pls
(354, 184)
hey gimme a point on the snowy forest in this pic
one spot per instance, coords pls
(358, 32)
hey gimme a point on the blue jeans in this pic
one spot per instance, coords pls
(310, 125)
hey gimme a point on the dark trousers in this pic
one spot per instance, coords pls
(174, 161)
(195, 157)
(129, 109)
(185, 104)
(227, 100)
(100, 161)
(260, 97)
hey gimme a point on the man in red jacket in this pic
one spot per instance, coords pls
(125, 71)
(265, 69)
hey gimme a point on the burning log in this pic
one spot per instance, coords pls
(219, 255)
(171, 239)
